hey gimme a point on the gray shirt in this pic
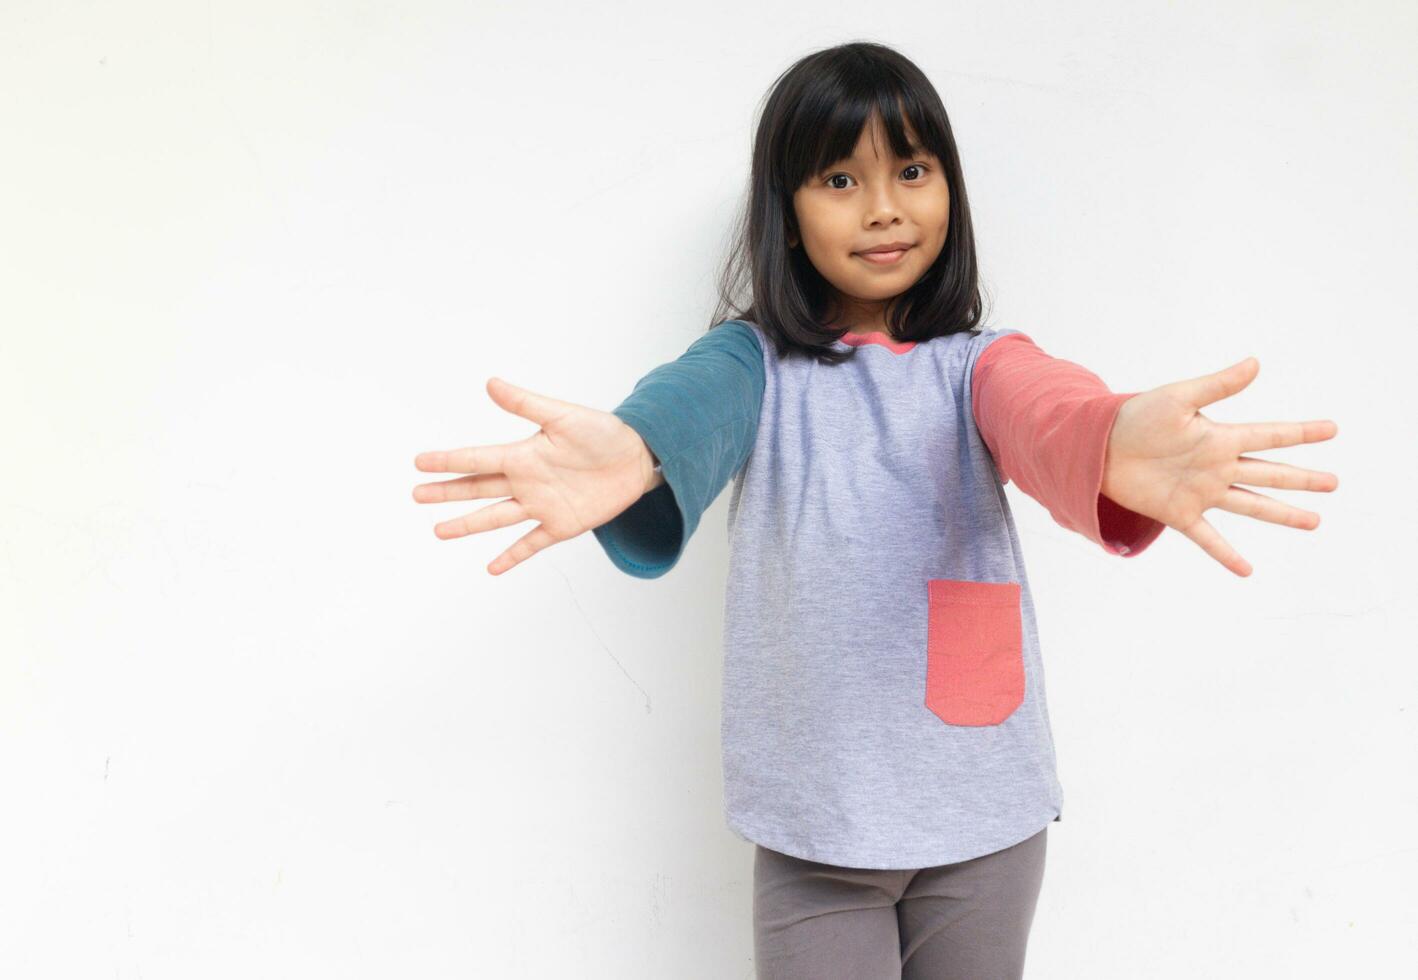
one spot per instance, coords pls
(883, 690)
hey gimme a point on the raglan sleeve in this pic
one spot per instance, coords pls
(1046, 422)
(699, 416)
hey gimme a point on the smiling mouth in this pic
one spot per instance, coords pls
(884, 258)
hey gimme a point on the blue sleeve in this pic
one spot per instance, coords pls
(699, 416)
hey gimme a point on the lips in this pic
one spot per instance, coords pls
(888, 247)
(884, 258)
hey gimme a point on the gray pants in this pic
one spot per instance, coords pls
(963, 921)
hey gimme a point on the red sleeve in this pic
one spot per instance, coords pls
(1046, 421)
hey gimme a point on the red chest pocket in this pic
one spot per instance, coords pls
(974, 651)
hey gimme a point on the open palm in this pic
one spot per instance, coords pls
(579, 470)
(1167, 461)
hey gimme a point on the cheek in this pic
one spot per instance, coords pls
(821, 241)
(835, 234)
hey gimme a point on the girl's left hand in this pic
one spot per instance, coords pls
(1167, 461)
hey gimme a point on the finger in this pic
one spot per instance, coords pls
(464, 488)
(541, 409)
(1216, 546)
(523, 548)
(491, 517)
(1276, 435)
(1202, 391)
(1282, 476)
(1251, 504)
(469, 459)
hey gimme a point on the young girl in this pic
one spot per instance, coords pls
(886, 741)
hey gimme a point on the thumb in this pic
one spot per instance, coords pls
(531, 406)
(1209, 388)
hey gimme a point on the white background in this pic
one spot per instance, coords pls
(258, 721)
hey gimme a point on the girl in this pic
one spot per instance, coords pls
(886, 741)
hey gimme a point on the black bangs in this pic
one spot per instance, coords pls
(812, 117)
(827, 133)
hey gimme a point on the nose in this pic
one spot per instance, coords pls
(882, 206)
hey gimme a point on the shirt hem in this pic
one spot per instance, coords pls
(875, 860)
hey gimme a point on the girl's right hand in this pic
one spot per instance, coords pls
(583, 468)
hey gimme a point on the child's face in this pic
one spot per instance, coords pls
(869, 200)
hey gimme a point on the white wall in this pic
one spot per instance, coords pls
(258, 721)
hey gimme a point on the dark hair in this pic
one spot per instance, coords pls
(813, 116)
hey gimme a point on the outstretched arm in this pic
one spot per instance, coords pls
(698, 414)
(1046, 422)
(1118, 467)
(588, 470)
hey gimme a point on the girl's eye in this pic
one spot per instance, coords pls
(914, 166)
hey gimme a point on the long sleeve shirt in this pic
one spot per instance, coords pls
(698, 414)
(1046, 422)
(884, 702)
